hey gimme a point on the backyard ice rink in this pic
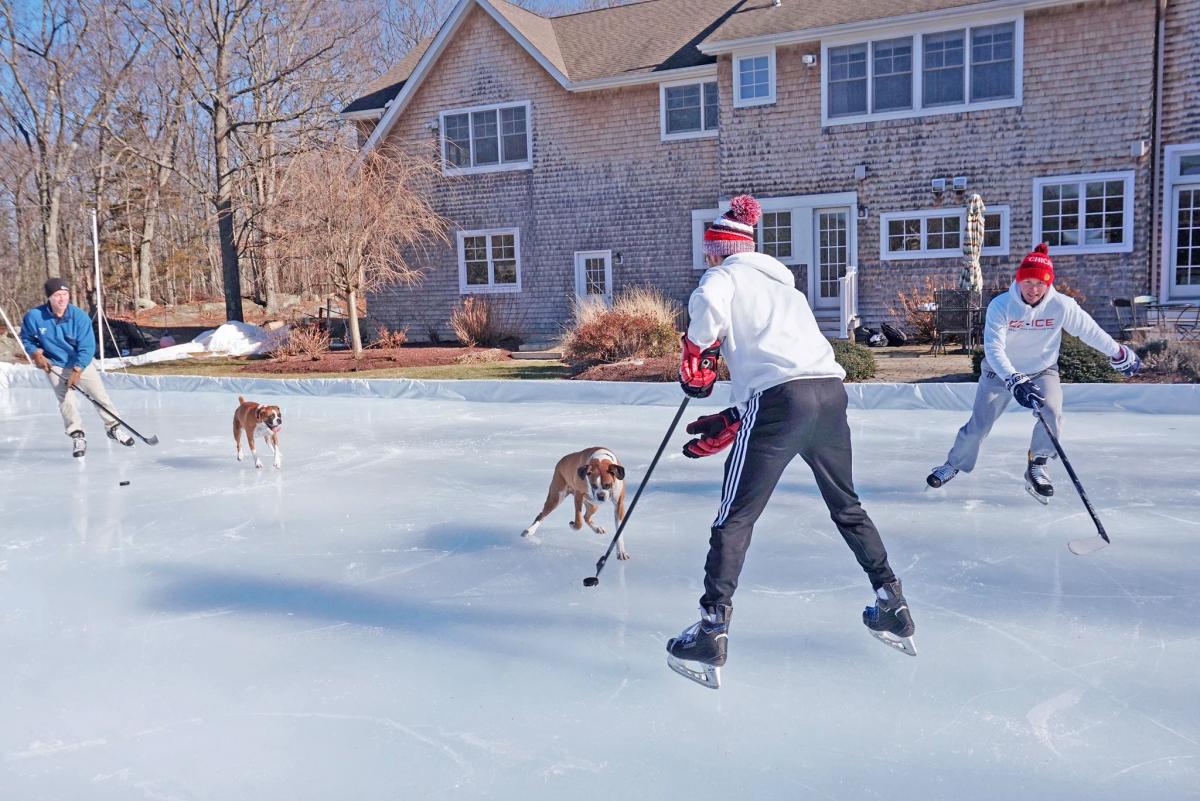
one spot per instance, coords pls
(367, 623)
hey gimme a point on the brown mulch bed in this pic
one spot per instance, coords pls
(664, 368)
(378, 359)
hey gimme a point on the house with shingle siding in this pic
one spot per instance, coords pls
(585, 153)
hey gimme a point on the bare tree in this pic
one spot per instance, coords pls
(63, 60)
(355, 230)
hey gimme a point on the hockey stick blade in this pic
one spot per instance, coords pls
(1086, 545)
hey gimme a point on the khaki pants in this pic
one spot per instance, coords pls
(68, 401)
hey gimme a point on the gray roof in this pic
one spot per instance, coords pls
(656, 36)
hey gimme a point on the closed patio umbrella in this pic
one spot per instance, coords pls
(971, 276)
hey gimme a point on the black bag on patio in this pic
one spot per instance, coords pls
(894, 335)
(863, 334)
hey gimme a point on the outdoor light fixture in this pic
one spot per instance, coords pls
(863, 211)
(938, 185)
(617, 258)
(809, 59)
(860, 172)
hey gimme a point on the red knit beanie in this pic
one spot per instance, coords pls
(1037, 265)
(733, 231)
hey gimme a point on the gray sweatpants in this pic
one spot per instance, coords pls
(68, 402)
(991, 399)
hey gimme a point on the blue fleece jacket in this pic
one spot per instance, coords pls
(67, 341)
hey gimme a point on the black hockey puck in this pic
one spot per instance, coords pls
(124, 483)
(591, 581)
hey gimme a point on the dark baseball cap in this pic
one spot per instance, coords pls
(55, 284)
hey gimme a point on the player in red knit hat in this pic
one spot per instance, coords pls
(788, 401)
(1021, 340)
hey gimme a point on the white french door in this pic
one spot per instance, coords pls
(831, 241)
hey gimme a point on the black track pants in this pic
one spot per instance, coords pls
(805, 418)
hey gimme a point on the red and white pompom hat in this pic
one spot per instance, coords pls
(1037, 265)
(733, 231)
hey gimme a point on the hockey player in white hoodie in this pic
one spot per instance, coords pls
(788, 401)
(1022, 335)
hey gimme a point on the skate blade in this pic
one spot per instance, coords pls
(1082, 547)
(902, 644)
(708, 675)
(1042, 499)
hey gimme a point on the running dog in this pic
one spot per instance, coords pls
(593, 476)
(248, 417)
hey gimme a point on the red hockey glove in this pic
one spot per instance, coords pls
(698, 368)
(716, 432)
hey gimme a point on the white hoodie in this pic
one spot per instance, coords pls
(767, 330)
(1019, 338)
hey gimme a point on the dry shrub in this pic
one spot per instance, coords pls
(640, 323)
(482, 356)
(479, 320)
(1171, 360)
(386, 339)
(307, 340)
(912, 309)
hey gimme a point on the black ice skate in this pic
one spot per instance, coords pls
(889, 619)
(114, 433)
(941, 475)
(78, 444)
(699, 652)
(1037, 479)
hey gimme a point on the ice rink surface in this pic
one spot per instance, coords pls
(366, 623)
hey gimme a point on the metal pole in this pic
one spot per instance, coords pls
(99, 296)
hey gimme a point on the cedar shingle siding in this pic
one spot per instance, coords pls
(603, 180)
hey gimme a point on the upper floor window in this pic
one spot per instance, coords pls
(1084, 213)
(489, 261)
(487, 138)
(940, 233)
(754, 79)
(689, 110)
(918, 73)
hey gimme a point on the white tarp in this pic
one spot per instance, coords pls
(1138, 398)
(233, 338)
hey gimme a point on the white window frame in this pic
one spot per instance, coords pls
(703, 133)
(795, 258)
(700, 218)
(527, 164)
(738, 58)
(1126, 244)
(581, 286)
(1172, 155)
(916, 30)
(491, 288)
(942, 253)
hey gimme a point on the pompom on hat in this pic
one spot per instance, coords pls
(733, 231)
(1037, 265)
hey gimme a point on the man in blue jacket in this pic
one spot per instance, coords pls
(58, 337)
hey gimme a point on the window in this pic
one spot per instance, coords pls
(486, 139)
(489, 261)
(943, 75)
(995, 231)
(940, 233)
(1084, 213)
(893, 75)
(919, 73)
(689, 110)
(754, 79)
(701, 220)
(775, 235)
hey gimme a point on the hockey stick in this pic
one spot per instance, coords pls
(150, 440)
(1085, 545)
(592, 581)
(17, 337)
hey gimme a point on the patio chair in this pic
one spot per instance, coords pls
(956, 310)
(1132, 317)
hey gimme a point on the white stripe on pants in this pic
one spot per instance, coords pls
(991, 399)
(68, 404)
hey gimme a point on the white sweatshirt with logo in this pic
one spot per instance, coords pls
(1019, 338)
(768, 333)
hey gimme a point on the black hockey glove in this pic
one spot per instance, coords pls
(1025, 391)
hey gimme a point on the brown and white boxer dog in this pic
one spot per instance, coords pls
(248, 417)
(593, 476)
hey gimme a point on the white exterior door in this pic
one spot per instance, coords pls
(831, 242)
(1181, 262)
(593, 274)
